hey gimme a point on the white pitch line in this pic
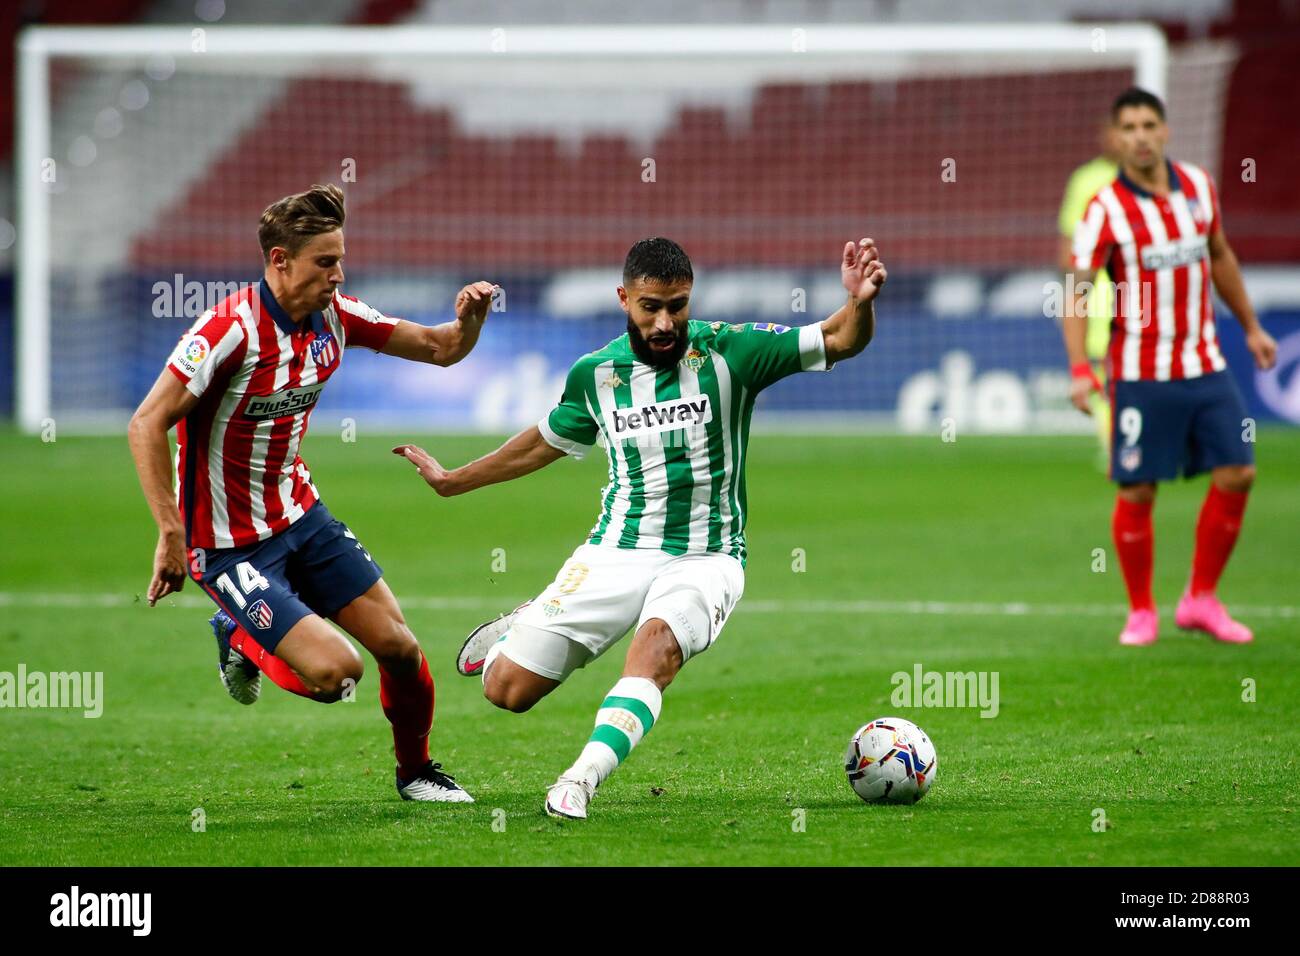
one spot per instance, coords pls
(756, 606)
(976, 608)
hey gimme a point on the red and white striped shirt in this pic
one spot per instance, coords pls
(1156, 251)
(257, 376)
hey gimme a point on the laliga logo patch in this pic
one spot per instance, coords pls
(1130, 459)
(324, 350)
(191, 356)
(197, 350)
(770, 327)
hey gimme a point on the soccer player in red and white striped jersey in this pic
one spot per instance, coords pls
(238, 469)
(1174, 407)
(245, 519)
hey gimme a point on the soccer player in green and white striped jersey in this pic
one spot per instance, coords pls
(672, 401)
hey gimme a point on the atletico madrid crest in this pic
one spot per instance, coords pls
(324, 350)
(259, 612)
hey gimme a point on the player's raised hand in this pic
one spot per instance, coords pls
(861, 270)
(168, 567)
(428, 467)
(1264, 349)
(473, 301)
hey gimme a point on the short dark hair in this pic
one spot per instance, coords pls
(657, 259)
(1136, 96)
(291, 222)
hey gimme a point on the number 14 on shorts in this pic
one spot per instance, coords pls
(250, 580)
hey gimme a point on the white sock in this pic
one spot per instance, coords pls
(492, 653)
(628, 712)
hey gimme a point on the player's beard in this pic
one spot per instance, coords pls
(648, 356)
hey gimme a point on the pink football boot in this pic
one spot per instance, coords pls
(1141, 628)
(1204, 612)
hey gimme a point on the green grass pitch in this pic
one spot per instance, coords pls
(1160, 738)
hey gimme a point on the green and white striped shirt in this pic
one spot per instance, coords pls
(676, 438)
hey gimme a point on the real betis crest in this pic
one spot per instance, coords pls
(694, 360)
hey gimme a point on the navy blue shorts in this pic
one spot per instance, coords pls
(315, 566)
(1160, 430)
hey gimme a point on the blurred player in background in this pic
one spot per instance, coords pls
(1083, 184)
(1174, 406)
(673, 400)
(245, 518)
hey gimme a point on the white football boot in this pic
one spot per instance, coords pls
(239, 675)
(473, 653)
(432, 785)
(568, 798)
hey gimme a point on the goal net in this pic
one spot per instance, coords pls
(534, 157)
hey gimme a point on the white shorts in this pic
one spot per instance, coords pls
(602, 592)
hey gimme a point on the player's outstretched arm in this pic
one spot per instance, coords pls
(1225, 272)
(850, 329)
(521, 455)
(167, 403)
(448, 343)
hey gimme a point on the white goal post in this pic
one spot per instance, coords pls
(702, 53)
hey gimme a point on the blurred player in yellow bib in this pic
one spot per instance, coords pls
(1084, 183)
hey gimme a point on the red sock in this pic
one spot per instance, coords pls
(1216, 533)
(268, 663)
(408, 705)
(1131, 526)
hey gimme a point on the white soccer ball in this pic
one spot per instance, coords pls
(890, 760)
